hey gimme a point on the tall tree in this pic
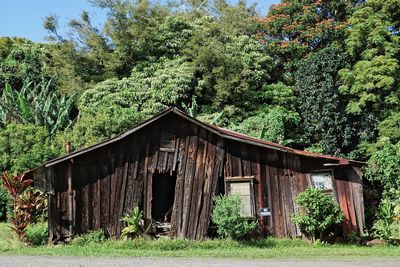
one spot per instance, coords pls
(372, 81)
(294, 28)
(22, 60)
(325, 126)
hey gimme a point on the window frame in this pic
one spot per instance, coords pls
(243, 179)
(331, 174)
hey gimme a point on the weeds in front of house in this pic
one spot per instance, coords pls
(94, 245)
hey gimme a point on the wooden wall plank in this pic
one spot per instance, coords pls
(189, 177)
(197, 192)
(177, 210)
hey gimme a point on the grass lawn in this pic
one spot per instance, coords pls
(267, 248)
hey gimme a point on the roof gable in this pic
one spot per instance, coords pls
(224, 133)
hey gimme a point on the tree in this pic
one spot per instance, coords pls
(116, 105)
(318, 213)
(275, 119)
(24, 147)
(372, 81)
(294, 28)
(230, 71)
(22, 60)
(325, 126)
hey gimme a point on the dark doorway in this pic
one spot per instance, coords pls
(163, 196)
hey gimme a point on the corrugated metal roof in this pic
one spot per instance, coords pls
(224, 133)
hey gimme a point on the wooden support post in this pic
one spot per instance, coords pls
(70, 193)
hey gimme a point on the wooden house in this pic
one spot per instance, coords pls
(172, 165)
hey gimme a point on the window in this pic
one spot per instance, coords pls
(322, 181)
(243, 187)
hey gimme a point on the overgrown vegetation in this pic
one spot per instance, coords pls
(220, 248)
(315, 75)
(5, 202)
(91, 237)
(318, 213)
(37, 233)
(226, 214)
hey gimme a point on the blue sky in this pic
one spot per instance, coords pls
(24, 18)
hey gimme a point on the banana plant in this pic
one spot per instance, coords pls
(36, 104)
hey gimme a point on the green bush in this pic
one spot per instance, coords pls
(384, 168)
(387, 227)
(37, 234)
(318, 213)
(226, 215)
(91, 237)
(5, 202)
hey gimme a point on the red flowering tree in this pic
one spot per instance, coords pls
(294, 28)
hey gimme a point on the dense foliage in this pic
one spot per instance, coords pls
(91, 237)
(326, 126)
(37, 233)
(384, 169)
(5, 202)
(24, 146)
(312, 74)
(318, 213)
(387, 226)
(226, 215)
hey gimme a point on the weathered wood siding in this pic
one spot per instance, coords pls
(110, 181)
(280, 177)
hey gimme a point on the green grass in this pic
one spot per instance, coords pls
(7, 238)
(267, 248)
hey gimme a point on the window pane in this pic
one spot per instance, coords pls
(322, 181)
(242, 189)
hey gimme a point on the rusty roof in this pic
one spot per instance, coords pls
(224, 133)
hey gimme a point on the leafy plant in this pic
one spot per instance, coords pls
(226, 215)
(25, 202)
(36, 104)
(5, 201)
(318, 213)
(25, 147)
(91, 237)
(384, 168)
(133, 221)
(37, 234)
(387, 227)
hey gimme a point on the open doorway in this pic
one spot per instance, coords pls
(163, 196)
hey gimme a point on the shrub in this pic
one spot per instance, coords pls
(5, 202)
(318, 212)
(226, 215)
(91, 237)
(26, 202)
(133, 221)
(37, 234)
(387, 227)
(384, 168)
